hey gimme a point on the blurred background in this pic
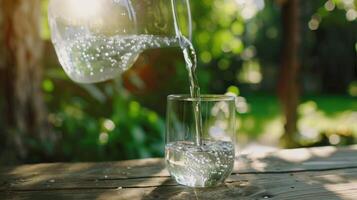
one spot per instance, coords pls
(292, 64)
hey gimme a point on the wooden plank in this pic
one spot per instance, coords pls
(316, 158)
(46, 175)
(331, 184)
(141, 178)
(123, 169)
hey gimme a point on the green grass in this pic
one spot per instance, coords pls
(332, 105)
(263, 109)
(317, 114)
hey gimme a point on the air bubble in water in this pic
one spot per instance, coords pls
(80, 52)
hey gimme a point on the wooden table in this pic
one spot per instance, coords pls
(313, 173)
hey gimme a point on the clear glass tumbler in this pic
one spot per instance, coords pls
(211, 162)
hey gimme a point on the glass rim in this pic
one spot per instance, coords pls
(204, 97)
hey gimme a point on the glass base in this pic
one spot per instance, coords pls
(200, 166)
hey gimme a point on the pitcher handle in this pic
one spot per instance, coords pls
(189, 18)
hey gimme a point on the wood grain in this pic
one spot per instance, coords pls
(315, 173)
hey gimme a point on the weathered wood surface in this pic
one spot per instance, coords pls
(313, 173)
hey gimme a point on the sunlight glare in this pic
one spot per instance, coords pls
(250, 8)
(83, 9)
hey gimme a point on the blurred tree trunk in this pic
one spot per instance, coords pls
(288, 84)
(25, 120)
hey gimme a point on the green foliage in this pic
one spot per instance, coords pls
(218, 32)
(91, 129)
(139, 131)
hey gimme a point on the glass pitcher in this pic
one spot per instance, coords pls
(96, 40)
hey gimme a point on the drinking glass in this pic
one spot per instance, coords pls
(96, 40)
(211, 162)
